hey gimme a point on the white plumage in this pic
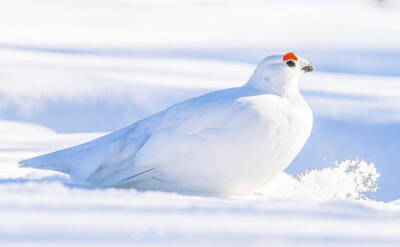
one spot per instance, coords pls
(230, 141)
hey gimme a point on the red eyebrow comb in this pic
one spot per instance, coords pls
(290, 56)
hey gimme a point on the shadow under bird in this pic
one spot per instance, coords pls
(227, 142)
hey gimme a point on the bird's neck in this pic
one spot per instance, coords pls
(286, 88)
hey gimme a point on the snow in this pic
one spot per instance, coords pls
(51, 212)
(73, 67)
(199, 23)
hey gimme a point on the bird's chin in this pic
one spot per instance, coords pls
(308, 68)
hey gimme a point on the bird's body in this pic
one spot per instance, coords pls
(230, 141)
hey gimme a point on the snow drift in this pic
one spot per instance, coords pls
(349, 179)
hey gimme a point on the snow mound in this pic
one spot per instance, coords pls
(349, 179)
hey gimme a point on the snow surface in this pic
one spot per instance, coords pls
(73, 67)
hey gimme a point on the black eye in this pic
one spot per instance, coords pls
(290, 63)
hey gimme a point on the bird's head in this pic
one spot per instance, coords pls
(279, 74)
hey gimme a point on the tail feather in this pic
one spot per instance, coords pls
(45, 162)
(95, 160)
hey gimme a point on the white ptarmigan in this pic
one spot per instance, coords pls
(227, 142)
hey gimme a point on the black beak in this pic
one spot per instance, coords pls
(308, 68)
